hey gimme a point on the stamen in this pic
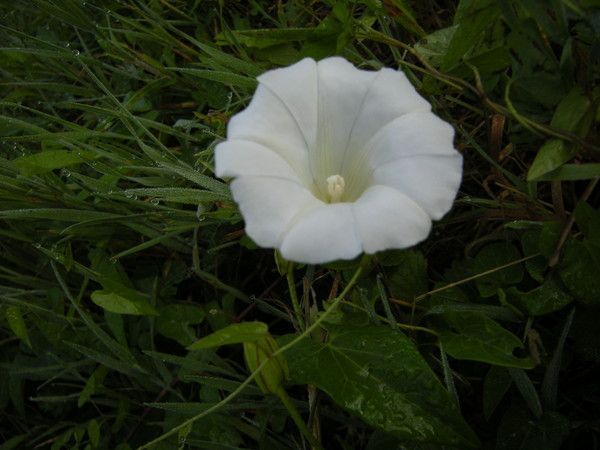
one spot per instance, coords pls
(335, 188)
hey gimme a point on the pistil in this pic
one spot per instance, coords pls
(335, 188)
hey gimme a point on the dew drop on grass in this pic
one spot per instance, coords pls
(364, 372)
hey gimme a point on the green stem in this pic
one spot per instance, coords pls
(294, 296)
(297, 418)
(262, 365)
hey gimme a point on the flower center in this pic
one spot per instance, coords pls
(335, 188)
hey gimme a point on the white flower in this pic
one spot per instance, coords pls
(330, 161)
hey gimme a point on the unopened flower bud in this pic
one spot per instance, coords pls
(271, 378)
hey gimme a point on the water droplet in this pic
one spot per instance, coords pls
(76, 52)
(37, 245)
(199, 213)
(155, 201)
(68, 44)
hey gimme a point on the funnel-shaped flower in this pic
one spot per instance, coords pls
(330, 161)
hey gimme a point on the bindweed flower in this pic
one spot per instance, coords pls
(330, 161)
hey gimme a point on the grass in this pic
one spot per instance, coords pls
(119, 248)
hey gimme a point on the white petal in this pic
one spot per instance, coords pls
(269, 206)
(268, 121)
(237, 158)
(296, 87)
(342, 90)
(416, 133)
(432, 181)
(387, 219)
(326, 233)
(390, 96)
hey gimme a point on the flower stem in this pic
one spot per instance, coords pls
(297, 418)
(294, 296)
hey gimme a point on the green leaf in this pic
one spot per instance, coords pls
(178, 195)
(435, 45)
(235, 333)
(268, 37)
(228, 78)
(408, 278)
(580, 270)
(14, 442)
(588, 221)
(552, 155)
(174, 322)
(196, 177)
(112, 363)
(487, 62)
(550, 381)
(585, 334)
(17, 323)
(518, 430)
(493, 256)
(548, 237)
(93, 382)
(49, 160)
(571, 110)
(569, 116)
(406, 17)
(527, 390)
(93, 430)
(470, 27)
(530, 244)
(475, 337)
(377, 373)
(572, 172)
(545, 299)
(495, 385)
(59, 214)
(126, 301)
